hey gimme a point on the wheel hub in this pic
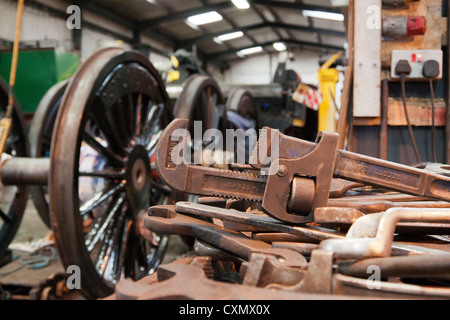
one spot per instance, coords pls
(138, 178)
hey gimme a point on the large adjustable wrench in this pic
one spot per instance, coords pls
(302, 177)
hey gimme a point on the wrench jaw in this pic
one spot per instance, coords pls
(301, 185)
(173, 172)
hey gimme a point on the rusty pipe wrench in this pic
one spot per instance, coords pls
(187, 282)
(164, 220)
(302, 175)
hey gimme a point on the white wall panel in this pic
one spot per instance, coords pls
(36, 25)
(260, 69)
(92, 41)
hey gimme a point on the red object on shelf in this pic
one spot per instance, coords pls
(417, 26)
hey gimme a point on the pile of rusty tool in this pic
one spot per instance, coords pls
(322, 224)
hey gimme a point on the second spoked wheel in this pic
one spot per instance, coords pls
(102, 178)
(40, 135)
(202, 100)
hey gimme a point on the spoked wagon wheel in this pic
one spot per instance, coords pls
(13, 199)
(102, 179)
(40, 135)
(202, 100)
(242, 114)
(241, 102)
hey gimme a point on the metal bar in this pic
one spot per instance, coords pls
(228, 4)
(255, 220)
(410, 266)
(269, 43)
(279, 25)
(293, 5)
(342, 126)
(390, 175)
(184, 14)
(384, 119)
(361, 246)
(25, 171)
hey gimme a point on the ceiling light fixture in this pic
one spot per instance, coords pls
(205, 18)
(279, 46)
(323, 15)
(241, 4)
(230, 36)
(249, 51)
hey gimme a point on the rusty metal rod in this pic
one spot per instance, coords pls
(436, 266)
(25, 172)
(384, 119)
(381, 245)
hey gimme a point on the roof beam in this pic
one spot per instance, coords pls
(184, 14)
(228, 4)
(269, 43)
(294, 5)
(279, 25)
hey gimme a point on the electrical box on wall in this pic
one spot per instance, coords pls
(417, 60)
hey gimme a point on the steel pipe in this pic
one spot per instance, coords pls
(381, 244)
(25, 172)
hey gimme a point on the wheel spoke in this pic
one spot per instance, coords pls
(130, 112)
(138, 116)
(5, 217)
(102, 119)
(151, 147)
(101, 222)
(103, 151)
(113, 250)
(161, 187)
(99, 198)
(11, 141)
(152, 121)
(110, 241)
(122, 122)
(120, 262)
(106, 174)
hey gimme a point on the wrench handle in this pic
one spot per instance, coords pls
(397, 177)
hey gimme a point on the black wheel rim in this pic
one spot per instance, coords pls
(13, 199)
(121, 106)
(41, 132)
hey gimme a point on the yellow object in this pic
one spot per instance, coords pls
(298, 123)
(328, 79)
(173, 76)
(5, 130)
(327, 112)
(335, 57)
(175, 62)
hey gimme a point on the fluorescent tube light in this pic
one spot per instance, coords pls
(279, 46)
(205, 18)
(241, 4)
(230, 36)
(249, 51)
(323, 15)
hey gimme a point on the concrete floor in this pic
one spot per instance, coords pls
(32, 231)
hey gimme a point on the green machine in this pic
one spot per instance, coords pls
(38, 70)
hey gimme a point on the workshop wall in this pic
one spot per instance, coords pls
(37, 25)
(260, 69)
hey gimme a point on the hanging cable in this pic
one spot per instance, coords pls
(410, 129)
(403, 69)
(433, 125)
(431, 70)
